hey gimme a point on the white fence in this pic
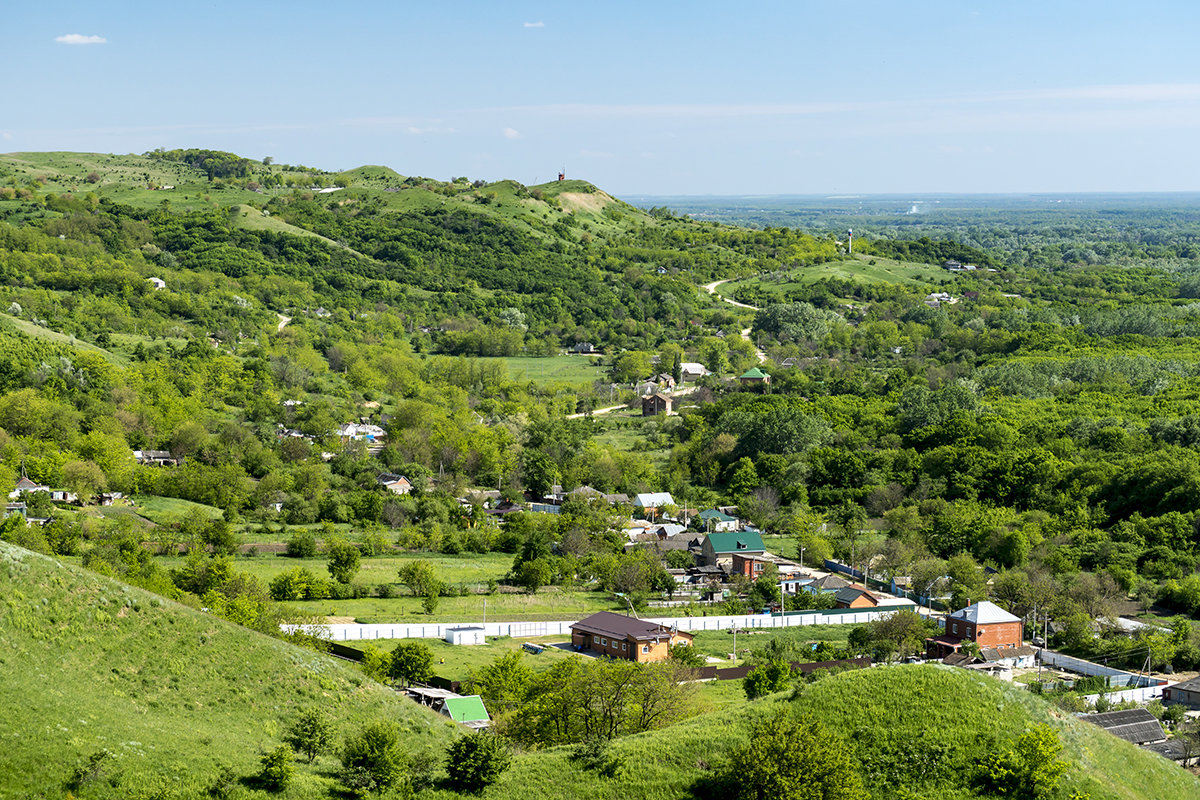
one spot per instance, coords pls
(1142, 695)
(1117, 677)
(355, 632)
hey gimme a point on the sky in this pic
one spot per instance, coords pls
(640, 98)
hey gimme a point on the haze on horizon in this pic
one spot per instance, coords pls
(639, 98)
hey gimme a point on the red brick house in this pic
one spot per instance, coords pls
(619, 636)
(986, 624)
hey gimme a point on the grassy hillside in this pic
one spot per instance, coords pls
(89, 664)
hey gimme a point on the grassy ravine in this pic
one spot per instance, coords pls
(87, 663)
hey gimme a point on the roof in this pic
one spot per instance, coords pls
(1001, 653)
(754, 372)
(466, 709)
(735, 541)
(1192, 685)
(830, 582)
(716, 515)
(983, 613)
(848, 594)
(1135, 725)
(653, 499)
(622, 627)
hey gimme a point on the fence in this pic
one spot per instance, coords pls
(357, 632)
(1143, 695)
(1116, 677)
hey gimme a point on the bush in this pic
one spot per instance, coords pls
(301, 544)
(277, 768)
(475, 761)
(592, 754)
(1029, 768)
(372, 759)
(311, 734)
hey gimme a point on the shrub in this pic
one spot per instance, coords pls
(412, 662)
(277, 768)
(311, 734)
(372, 759)
(1029, 768)
(475, 761)
(301, 544)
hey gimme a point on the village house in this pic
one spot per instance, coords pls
(156, 458)
(619, 636)
(984, 623)
(396, 484)
(718, 521)
(1186, 693)
(854, 597)
(753, 566)
(25, 485)
(656, 404)
(691, 371)
(754, 377)
(718, 549)
(651, 503)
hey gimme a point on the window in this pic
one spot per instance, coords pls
(645, 648)
(595, 640)
(955, 627)
(604, 642)
(624, 645)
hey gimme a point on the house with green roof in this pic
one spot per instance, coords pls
(718, 549)
(715, 520)
(754, 377)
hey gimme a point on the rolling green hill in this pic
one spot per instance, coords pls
(88, 664)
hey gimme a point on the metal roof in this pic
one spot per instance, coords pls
(466, 709)
(1135, 725)
(735, 542)
(984, 613)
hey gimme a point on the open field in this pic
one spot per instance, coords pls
(861, 269)
(573, 370)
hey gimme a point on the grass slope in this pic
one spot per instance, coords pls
(915, 728)
(89, 664)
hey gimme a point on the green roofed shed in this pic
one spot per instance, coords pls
(754, 373)
(466, 709)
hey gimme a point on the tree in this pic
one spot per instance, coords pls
(535, 574)
(344, 560)
(412, 662)
(793, 757)
(1028, 770)
(419, 577)
(311, 734)
(372, 759)
(685, 655)
(277, 768)
(84, 478)
(429, 603)
(475, 761)
(767, 678)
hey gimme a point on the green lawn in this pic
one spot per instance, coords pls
(164, 510)
(861, 269)
(573, 370)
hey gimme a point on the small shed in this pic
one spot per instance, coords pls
(466, 635)
(468, 711)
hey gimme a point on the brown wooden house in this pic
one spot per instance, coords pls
(619, 636)
(655, 404)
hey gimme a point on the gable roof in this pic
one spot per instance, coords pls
(983, 613)
(466, 709)
(620, 626)
(735, 542)
(1135, 725)
(716, 516)
(653, 499)
(830, 582)
(848, 594)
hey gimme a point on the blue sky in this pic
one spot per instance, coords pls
(638, 97)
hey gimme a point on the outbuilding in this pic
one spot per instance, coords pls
(465, 635)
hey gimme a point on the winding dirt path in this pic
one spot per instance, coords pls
(711, 288)
(282, 321)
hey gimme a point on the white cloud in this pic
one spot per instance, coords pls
(535, 24)
(79, 38)
(512, 133)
